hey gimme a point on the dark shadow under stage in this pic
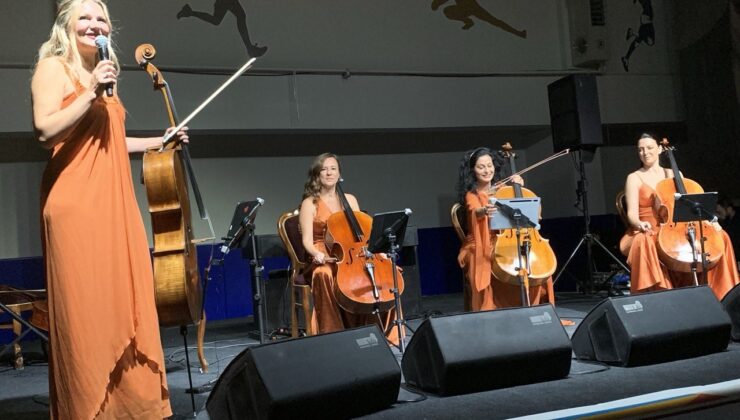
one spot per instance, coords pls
(24, 393)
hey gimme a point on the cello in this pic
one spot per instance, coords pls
(364, 280)
(678, 246)
(509, 264)
(177, 287)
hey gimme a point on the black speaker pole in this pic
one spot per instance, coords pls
(587, 239)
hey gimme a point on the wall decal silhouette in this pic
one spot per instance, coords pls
(465, 10)
(220, 8)
(645, 34)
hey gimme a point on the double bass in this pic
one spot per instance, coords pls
(177, 287)
(364, 282)
(509, 264)
(679, 243)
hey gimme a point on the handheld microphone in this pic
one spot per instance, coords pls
(102, 43)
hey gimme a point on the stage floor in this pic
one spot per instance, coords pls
(24, 393)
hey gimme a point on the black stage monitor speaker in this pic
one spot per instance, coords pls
(338, 375)
(472, 352)
(575, 118)
(731, 303)
(653, 328)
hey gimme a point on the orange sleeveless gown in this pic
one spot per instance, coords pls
(106, 356)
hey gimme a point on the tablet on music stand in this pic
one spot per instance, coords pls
(694, 207)
(529, 207)
(396, 221)
(240, 212)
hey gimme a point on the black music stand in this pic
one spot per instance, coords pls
(242, 223)
(386, 229)
(518, 214)
(696, 208)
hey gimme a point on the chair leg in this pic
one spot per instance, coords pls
(293, 310)
(467, 295)
(308, 310)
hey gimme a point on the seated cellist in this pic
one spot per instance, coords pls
(639, 243)
(320, 201)
(474, 188)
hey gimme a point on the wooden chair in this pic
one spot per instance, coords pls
(457, 214)
(19, 300)
(621, 204)
(300, 296)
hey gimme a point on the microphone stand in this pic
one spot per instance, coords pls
(389, 234)
(258, 288)
(399, 322)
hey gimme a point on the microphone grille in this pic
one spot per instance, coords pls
(101, 41)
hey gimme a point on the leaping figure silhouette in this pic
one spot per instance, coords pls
(463, 10)
(220, 7)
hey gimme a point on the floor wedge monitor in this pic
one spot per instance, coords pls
(653, 328)
(731, 303)
(338, 375)
(472, 352)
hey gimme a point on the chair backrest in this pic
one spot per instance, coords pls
(290, 233)
(457, 214)
(621, 204)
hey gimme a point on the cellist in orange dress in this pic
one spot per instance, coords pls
(474, 188)
(639, 244)
(106, 358)
(320, 200)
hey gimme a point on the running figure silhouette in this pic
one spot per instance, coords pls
(220, 7)
(463, 10)
(645, 34)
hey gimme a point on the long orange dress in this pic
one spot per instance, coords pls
(649, 274)
(329, 315)
(106, 356)
(475, 259)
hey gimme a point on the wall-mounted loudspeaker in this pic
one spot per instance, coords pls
(653, 328)
(339, 375)
(472, 352)
(575, 118)
(731, 303)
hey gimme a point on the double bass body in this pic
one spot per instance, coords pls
(177, 287)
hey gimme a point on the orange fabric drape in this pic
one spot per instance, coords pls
(329, 315)
(106, 356)
(649, 274)
(475, 259)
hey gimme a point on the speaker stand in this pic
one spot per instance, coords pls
(588, 238)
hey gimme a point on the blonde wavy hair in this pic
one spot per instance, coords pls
(62, 39)
(312, 188)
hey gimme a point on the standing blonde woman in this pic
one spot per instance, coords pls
(106, 357)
